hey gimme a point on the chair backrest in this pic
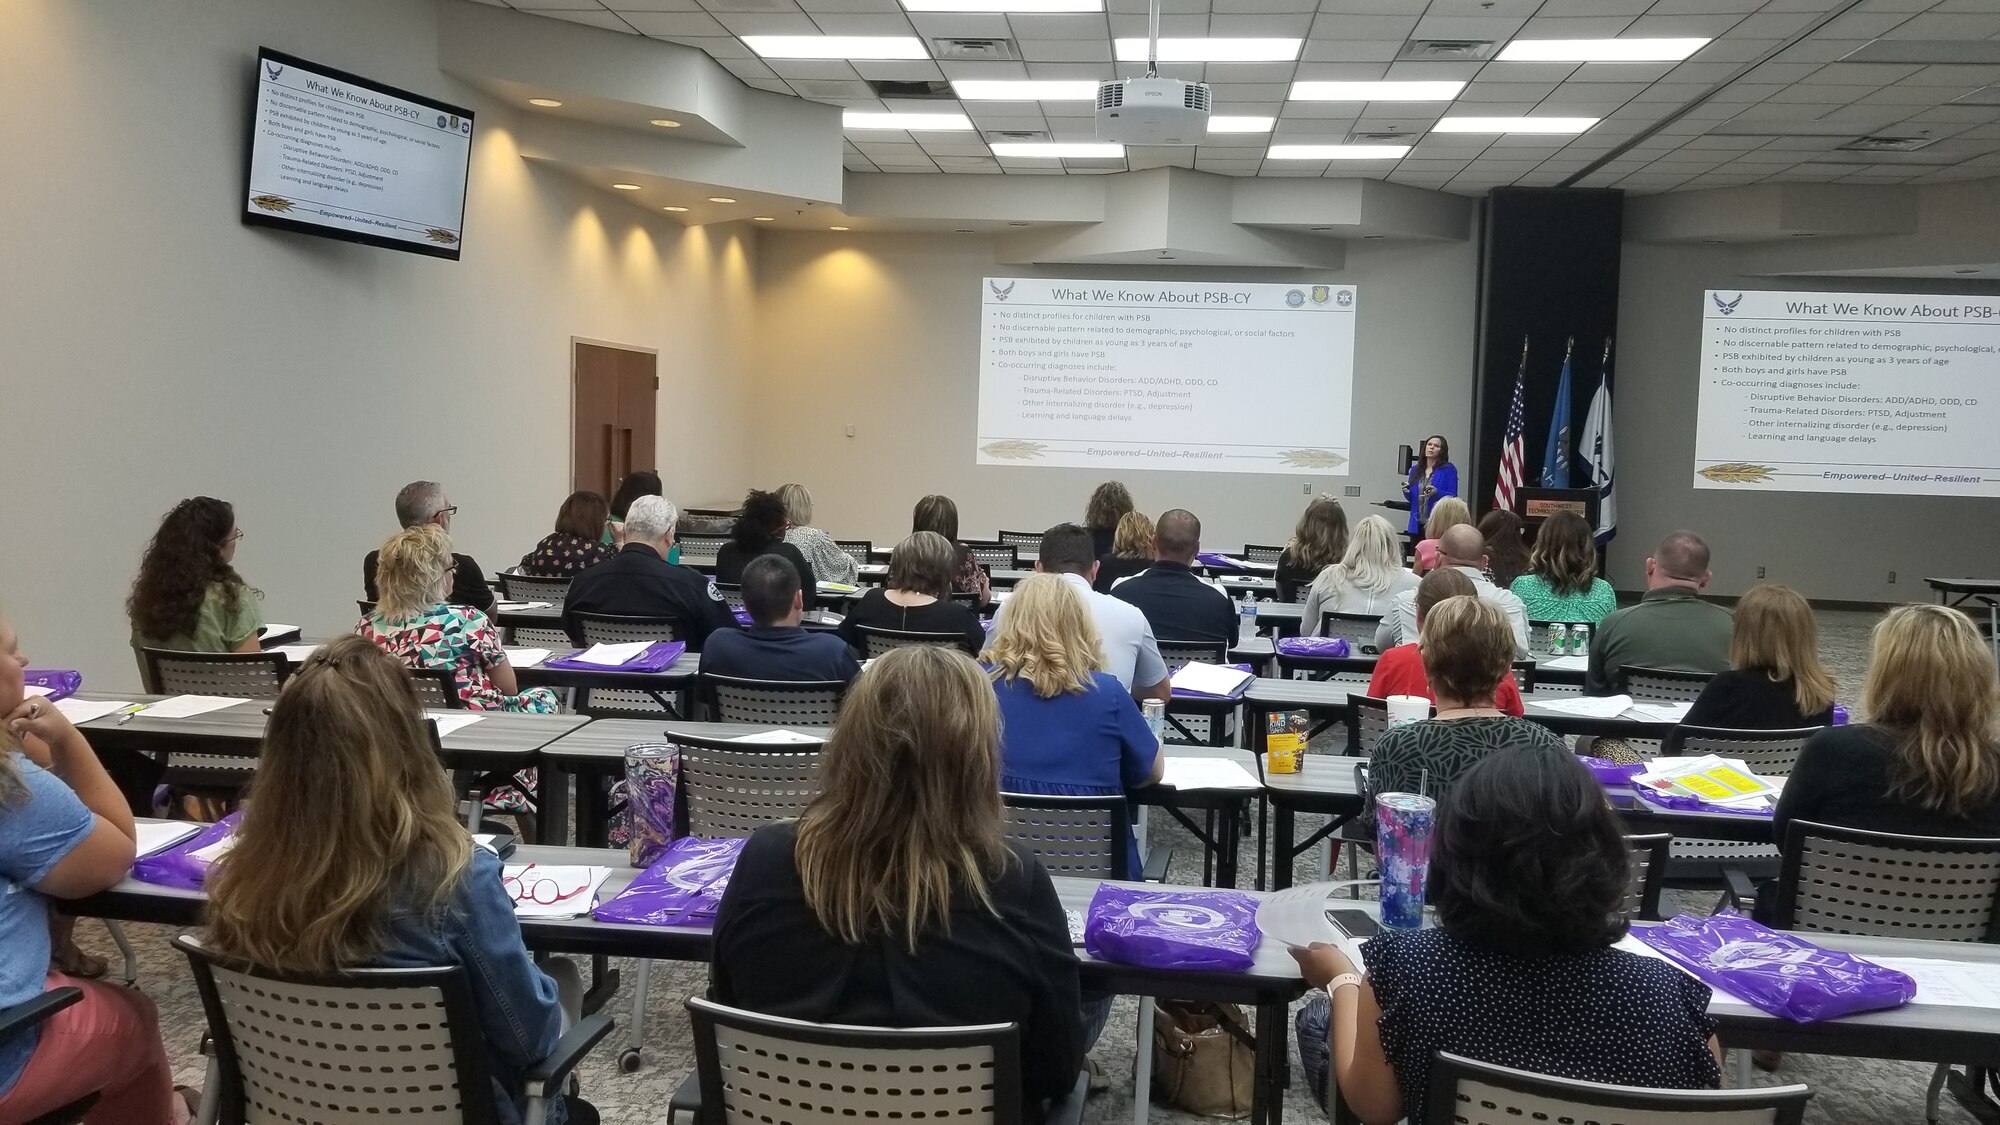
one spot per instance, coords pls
(1768, 753)
(366, 607)
(1020, 538)
(363, 1044)
(877, 642)
(1847, 881)
(1367, 721)
(605, 628)
(1261, 553)
(1524, 675)
(251, 675)
(996, 556)
(1468, 1092)
(734, 788)
(1649, 870)
(757, 1068)
(528, 588)
(856, 549)
(1087, 837)
(700, 546)
(530, 637)
(736, 699)
(732, 594)
(966, 598)
(1664, 685)
(1178, 653)
(436, 688)
(1358, 628)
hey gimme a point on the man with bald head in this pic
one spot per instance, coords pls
(1671, 627)
(1463, 549)
(1176, 602)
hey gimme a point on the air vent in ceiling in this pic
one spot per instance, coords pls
(1378, 138)
(974, 49)
(890, 89)
(1447, 50)
(829, 89)
(1015, 136)
(1886, 144)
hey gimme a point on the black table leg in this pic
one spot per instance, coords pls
(552, 805)
(603, 984)
(1282, 855)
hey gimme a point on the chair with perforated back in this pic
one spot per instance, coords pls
(732, 594)
(700, 546)
(1649, 869)
(736, 699)
(436, 688)
(1020, 538)
(1326, 669)
(1367, 722)
(1469, 1092)
(879, 642)
(631, 703)
(529, 588)
(248, 675)
(1358, 628)
(856, 549)
(1084, 837)
(1198, 729)
(995, 556)
(529, 637)
(1262, 553)
(1664, 685)
(361, 1044)
(1768, 753)
(23, 1018)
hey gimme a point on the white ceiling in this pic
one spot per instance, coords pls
(1359, 39)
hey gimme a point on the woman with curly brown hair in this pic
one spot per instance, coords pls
(188, 596)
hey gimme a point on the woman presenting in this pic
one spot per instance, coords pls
(1432, 478)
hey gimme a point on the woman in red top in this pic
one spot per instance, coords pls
(1400, 671)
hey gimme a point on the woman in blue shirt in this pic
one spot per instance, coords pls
(1067, 728)
(1432, 478)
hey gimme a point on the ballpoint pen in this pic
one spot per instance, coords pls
(125, 713)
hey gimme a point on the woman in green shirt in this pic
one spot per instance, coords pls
(1562, 583)
(187, 596)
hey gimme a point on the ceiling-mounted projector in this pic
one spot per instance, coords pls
(1152, 111)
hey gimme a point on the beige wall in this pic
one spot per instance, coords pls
(152, 347)
(882, 333)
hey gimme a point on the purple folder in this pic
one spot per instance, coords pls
(1210, 558)
(1182, 693)
(60, 682)
(657, 658)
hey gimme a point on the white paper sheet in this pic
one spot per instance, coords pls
(872, 568)
(1595, 707)
(1957, 984)
(1246, 564)
(1298, 917)
(1662, 712)
(1207, 773)
(1563, 663)
(83, 710)
(1075, 926)
(836, 588)
(828, 617)
(613, 656)
(153, 834)
(214, 851)
(1209, 679)
(778, 736)
(35, 691)
(449, 721)
(297, 654)
(488, 840)
(516, 607)
(552, 891)
(275, 630)
(188, 706)
(526, 657)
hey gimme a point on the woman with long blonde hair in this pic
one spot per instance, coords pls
(1927, 761)
(399, 883)
(1366, 579)
(895, 900)
(1131, 551)
(1775, 680)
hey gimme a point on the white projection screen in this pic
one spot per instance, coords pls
(1221, 377)
(1893, 393)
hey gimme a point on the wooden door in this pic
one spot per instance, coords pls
(612, 414)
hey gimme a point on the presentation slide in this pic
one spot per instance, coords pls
(336, 155)
(1221, 377)
(1895, 393)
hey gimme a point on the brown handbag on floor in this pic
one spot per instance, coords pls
(1203, 1060)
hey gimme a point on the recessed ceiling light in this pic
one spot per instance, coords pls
(1336, 152)
(675, 210)
(1017, 222)
(907, 122)
(1974, 269)
(837, 46)
(545, 103)
(626, 187)
(1513, 124)
(1223, 123)
(1205, 50)
(1599, 50)
(1025, 89)
(665, 123)
(1375, 91)
(763, 219)
(1373, 237)
(1074, 150)
(840, 228)
(720, 199)
(1003, 5)
(965, 230)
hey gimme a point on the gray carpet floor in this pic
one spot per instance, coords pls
(1846, 1091)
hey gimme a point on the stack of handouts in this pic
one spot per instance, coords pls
(1725, 783)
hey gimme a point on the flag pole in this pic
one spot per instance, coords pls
(1568, 348)
(1604, 364)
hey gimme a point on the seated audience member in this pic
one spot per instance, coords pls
(638, 581)
(188, 597)
(776, 646)
(1562, 582)
(939, 514)
(828, 561)
(895, 900)
(1177, 603)
(1468, 654)
(1366, 580)
(1463, 549)
(66, 833)
(1067, 728)
(1528, 876)
(1318, 542)
(917, 597)
(423, 502)
(576, 544)
(759, 531)
(1108, 505)
(401, 885)
(1129, 651)
(1671, 627)
(1775, 680)
(1131, 551)
(1449, 512)
(1506, 552)
(1400, 671)
(644, 482)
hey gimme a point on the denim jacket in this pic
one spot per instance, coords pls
(519, 1019)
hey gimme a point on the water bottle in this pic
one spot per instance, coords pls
(1246, 619)
(1155, 711)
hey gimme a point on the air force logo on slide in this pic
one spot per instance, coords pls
(1295, 299)
(1000, 293)
(1726, 307)
(1344, 298)
(272, 70)
(1320, 294)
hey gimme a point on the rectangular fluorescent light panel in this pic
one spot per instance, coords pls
(837, 46)
(1336, 152)
(855, 119)
(1223, 123)
(1513, 124)
(1599, 50)
(1003, 5)
(1057, 150)
(1207, 50)
(1025, 89)
(1375, 91)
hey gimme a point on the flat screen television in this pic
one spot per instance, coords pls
(337, 155)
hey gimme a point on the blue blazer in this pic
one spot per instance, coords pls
(1444, 478)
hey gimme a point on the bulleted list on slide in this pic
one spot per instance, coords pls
(1220, 377)
(1893, 393)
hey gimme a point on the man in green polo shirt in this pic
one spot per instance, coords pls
(1671, 627)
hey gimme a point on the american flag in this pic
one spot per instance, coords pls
(1511, 446)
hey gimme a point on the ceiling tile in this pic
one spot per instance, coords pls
(1334, 25)
(1575, 27)
(768, 23)
(844, 23)
(821, 70)
(676, 23)
(965, 25)
(719, 47)
(593, 17)
(1090, 25)
(898, 70)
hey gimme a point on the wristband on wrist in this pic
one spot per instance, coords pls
(1342, 981)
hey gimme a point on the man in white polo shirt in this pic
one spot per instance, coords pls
(1130, 651)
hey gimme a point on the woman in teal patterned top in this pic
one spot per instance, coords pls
(1562, 584)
